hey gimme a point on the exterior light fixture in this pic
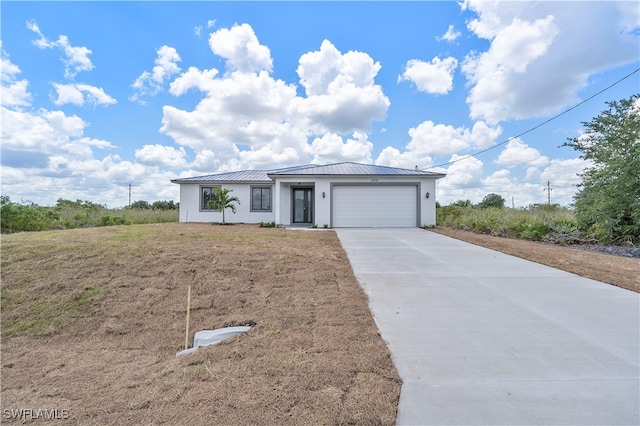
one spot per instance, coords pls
(426, 195)
(323, 194)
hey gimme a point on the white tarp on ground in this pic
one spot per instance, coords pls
(211, 337)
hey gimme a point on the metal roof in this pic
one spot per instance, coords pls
(339, 169)
(351, 169)
(242, 176)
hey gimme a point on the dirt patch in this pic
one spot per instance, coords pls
(92, 320)
(619, 270)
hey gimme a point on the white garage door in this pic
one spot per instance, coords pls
(374, 206)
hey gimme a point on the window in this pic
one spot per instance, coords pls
(207, 196)
(260, 198)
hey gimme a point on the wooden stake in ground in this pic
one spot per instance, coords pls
(186, 334)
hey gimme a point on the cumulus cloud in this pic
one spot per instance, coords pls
(198, 29)
(517, 153)
(76, 57)
(441, 139)
(434, 77)
(450, 35)
(49, 132)
(497, 73)
(14, 92)
(240, 47)
(342, 96)
(43, 151)
(81, 94)
(152, 82)
(463, 180)
(160, 155)
(331, 148)
(249, 119)
(429, 140)
(541, 54)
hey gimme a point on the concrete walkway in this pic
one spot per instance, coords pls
(480, 337)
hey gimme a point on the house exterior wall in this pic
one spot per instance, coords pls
(190, 204)
(281, 199)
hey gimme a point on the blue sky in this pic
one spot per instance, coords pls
(100, 95)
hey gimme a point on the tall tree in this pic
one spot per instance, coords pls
(224, 201)
(608, 201)
(492, 200)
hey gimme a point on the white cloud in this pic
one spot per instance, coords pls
(241, 48)
(81, 94)
(562, 175)
(441, 139)
(517, 152)
(431, 77)
(160, 155)
(331, 148)
(340, 89)
(327, 70)
(429, 139)
(44, 151)
(450, 35)
(392, 157)
(47, 132)
(14, 92)
(76, 57)
(542, 54)
(151, 83)
(497, 73)
(248, 119)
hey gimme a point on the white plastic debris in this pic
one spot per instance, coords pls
(211, 337)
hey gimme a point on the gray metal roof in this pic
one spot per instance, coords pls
(242, 176)
(339, 169)
(351, 169)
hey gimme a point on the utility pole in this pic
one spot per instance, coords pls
(129, 194)
(548, 189)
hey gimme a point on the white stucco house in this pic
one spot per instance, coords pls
(336, 195)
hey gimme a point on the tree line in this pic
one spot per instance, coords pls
(68, 214)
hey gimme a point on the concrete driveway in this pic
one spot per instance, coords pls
(480, 337)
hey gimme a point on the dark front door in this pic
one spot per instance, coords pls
(302, 205)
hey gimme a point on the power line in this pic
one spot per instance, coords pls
(539, 125)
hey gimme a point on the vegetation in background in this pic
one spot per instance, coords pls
(67, 214)
(538, 222)
(491, 200)
(607, 205)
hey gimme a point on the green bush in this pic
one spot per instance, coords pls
(68, 214)
(537, 222)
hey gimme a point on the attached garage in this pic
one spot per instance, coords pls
(347, 195)
(356, 206)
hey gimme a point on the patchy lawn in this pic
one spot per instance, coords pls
(92, 320)
(617, 270)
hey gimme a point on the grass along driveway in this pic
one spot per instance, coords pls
(92, 319)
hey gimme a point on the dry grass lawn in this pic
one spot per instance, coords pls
(616, 270)
(92, 320)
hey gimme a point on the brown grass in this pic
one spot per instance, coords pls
(620, 271)
(92, 320)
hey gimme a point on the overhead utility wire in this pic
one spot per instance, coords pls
(539, 125)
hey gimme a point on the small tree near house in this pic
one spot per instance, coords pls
(224, 201)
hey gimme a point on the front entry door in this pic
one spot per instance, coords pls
(302, 205)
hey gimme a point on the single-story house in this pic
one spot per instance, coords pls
(337, 195)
